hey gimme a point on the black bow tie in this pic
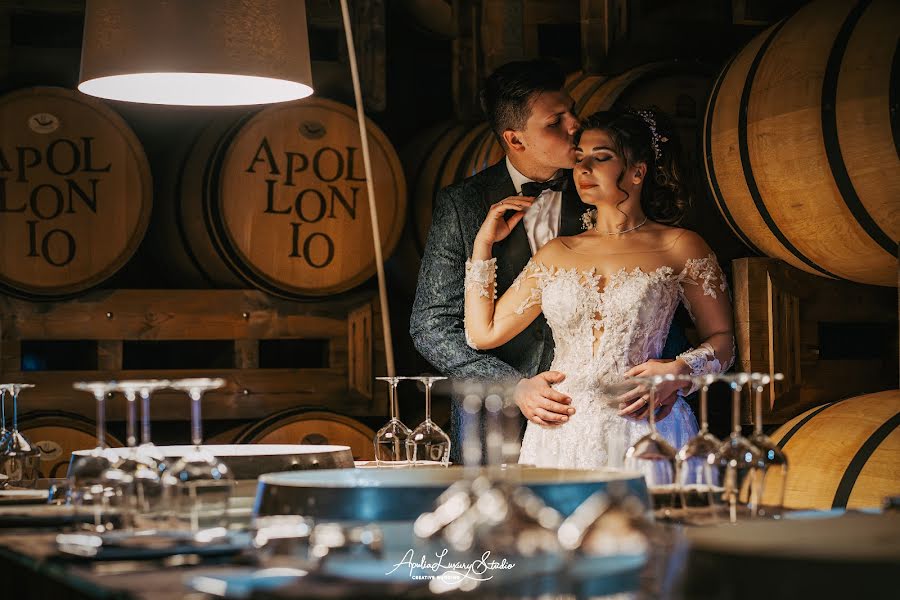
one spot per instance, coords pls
(534, 188)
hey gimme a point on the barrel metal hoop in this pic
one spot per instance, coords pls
(830, 132)
(783, 441)
(744, 149)
(710, 167)
(851, 474)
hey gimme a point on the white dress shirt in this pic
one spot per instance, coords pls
(541, 221)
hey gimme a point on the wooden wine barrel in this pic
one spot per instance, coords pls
(278, 200)
(301, 426)
(57, 434)
(435, 159)
(229, 436)
(841, 455)
(801, 141)
(75, 195)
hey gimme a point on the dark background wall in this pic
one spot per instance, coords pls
(419, 69)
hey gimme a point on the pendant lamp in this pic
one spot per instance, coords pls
(196, 52)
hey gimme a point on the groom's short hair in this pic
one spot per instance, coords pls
(509, 92)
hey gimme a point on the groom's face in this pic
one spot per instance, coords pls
(548, 137)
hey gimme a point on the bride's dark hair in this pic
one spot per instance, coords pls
(640, 138)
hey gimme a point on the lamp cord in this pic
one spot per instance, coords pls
(370, 188)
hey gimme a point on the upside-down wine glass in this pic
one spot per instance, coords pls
(86, 486)
(147, 389)
(19, 460)
(773, 462)
(390, 441)
(141, 462)
(653, 455)
(198, 486)
(697, 478)
(428, 442)
(737, 458)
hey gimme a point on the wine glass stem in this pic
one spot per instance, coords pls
(651, 416)
(129, 433)
(736, 409)
(757, 416)
(393, 400)
(15, 423)
(196, 432)
(3, 410)
(145, 417)
(428, 401)
(101, 420)
(704, 419)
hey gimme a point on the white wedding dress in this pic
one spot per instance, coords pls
(601, 329)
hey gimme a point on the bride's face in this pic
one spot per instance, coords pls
(598, 166)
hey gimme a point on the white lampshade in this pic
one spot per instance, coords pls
(196, 52)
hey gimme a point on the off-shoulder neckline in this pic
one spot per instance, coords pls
(662, 270)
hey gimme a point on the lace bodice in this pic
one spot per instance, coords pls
(602, 326)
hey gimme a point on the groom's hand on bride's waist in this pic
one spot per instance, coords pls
(540, 403)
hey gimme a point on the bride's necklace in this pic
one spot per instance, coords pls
(638, 226)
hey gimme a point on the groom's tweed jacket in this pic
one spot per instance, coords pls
(436, 324)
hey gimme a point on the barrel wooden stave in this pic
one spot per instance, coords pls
(262, 236)
(821, 454)
(792, 192)
(78, 205)
(238, 231)
(313, 427)
(859, 115)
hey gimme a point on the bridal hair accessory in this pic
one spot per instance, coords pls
(655, 138)
(589, 219)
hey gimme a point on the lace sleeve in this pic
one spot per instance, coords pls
(704, 292)
(535, 293)
(489, 322)
(703, 272)
(481, 277)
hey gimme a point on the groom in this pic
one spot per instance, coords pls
(532, 116)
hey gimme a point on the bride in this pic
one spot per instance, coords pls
(609, 295)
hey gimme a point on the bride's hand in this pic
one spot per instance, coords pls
(635, 404)
(496, 226)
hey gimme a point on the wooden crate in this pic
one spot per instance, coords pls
(787, 321)
(347, 330)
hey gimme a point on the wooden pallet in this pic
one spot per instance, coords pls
(787, 321)
(347, 329)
